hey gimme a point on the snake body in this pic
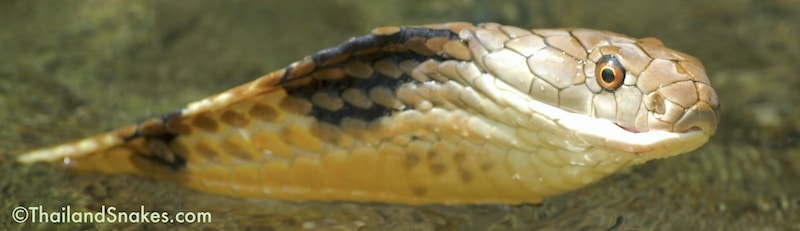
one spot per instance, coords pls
(449, 113)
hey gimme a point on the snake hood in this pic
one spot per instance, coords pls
(449, 113)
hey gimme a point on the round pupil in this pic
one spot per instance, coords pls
(608, 75)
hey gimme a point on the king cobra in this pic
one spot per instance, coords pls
(450, 113)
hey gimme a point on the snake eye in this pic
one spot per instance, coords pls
(609, 72)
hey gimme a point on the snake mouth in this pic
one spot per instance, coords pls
(692, 129)
(634, 130)
(627, 128)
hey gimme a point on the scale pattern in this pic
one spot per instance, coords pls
(447, 113)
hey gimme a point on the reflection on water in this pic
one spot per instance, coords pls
(69, 70)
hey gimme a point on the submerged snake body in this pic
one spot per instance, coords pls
(448, 113)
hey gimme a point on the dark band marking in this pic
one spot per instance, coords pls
(159, 139)
(372, 41)
(369, 50)
(161, 151)
(330, 64)
(139, 132)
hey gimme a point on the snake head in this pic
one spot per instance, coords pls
(659, 89)
(622, 93)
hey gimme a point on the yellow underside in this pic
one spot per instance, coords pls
(257, 147)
